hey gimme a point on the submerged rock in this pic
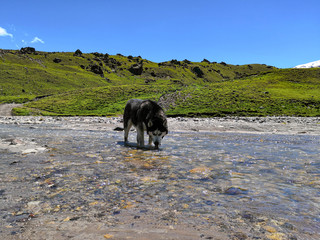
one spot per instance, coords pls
(235, 191)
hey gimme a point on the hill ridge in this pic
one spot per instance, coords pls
(79, 83)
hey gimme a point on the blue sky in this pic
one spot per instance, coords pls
(278, 33)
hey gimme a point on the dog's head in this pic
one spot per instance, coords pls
(157, 128)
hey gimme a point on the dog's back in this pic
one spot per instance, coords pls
(145, 115)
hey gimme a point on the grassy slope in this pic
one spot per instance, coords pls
(277, 93)
(38, 74)
(291, 92)
(185, 88)
(95, 102)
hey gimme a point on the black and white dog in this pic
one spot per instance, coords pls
(145, 115)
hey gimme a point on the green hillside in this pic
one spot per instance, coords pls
(100, 84)
(290, 92)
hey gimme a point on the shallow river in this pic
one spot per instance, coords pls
(268, 180)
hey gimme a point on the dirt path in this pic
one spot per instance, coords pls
(6, 109)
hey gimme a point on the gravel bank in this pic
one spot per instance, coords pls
(261, 125)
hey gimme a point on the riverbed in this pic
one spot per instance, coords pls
(73, 178)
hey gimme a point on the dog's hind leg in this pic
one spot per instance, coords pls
(127, 126)
(140, 136)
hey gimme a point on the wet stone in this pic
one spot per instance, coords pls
(20, 218)
(288, 226)
(235, 191)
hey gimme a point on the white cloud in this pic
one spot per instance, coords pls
(36, 40)
(4, 33)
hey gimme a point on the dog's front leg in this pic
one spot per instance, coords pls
(140, 136)
(150, 140)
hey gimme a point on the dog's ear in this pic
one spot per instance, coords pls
(150, 124)
(165, 124)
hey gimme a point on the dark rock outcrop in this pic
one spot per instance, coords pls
(77, 53)
(205, 61)
(27, 50)
(57, 60)
(175, 62)
(136, 69)
(95, 69)
(111, 62)
(99, 55)
(197, 70)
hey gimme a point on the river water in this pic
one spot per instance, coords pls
(260, 180)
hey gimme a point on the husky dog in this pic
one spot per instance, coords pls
(145, 115)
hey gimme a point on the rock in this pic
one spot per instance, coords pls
(23, 217)
(77, 53)
(175, 62)
(197, 70)
(28, 151)
(13, 163)
(34, 206)
(27, 50)
(34, 150)
(201, 173)
(201, 170)
(289, 226)
(136, 69)
(15, 142)
(108, 236)
(235, 191)
(186, 61)
(240, 236)
(57, 60)
(96, 69)
(118, 129)
(111, 62)
(99, 55)
(205, 61)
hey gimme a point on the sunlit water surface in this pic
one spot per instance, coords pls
(199, 173)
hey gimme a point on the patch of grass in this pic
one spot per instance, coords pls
(22, 111)
(96, 101)
(16, 99)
